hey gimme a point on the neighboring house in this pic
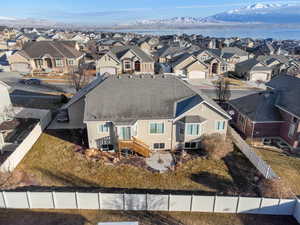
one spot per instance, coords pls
(47, 57)
(143, 113)
(108, 44)
(25, 38)
(125, 59)
(272, 113)
(262, 68)
(254, 70)
(233, 55)
(217, 66)
(190, 67)
(5, 102)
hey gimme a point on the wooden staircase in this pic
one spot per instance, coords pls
(136, 146)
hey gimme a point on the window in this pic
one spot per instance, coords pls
(159, 145)
(58, 62)
(103, 128)
(157, 128)
(107, 147)
(292, 130)
(192, 129)
(39, 62)
(220, 125)
(295, 120)
(127, 65)
(70, 62)
(190, 145)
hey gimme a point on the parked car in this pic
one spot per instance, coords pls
(30, 81)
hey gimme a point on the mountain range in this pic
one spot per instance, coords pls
(273, 13)
(264, 13)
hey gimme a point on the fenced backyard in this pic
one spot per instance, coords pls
(264, 168)
(18, 153)
(149, 202)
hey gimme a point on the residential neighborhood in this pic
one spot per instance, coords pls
(150, 122)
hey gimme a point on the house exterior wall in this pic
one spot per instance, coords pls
(293, 140)
(17, 58)
(75, 115)
(266, 129)
(107, 61)
(170, 135)
(4, 98)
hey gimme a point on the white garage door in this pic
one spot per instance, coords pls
(110, 70)
(197, 74)
(20, 67)
(259, 76)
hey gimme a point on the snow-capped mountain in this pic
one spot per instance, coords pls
(176, 21)
(262, 12)
(28, 22)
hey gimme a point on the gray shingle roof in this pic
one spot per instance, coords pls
(121, 50)
(289, 93)
(52, 48)
(258, 107)
(118, 99)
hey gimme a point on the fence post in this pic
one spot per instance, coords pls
(191, 206)
(169, 199)
(214, 205)
(146, 196)
(261, 200)
(28, 199)
(99, 200)
(53, 200)
(124, 204)
(237, 205)
(76, 200)
(4, 199)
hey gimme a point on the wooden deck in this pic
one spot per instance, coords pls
(136, 146)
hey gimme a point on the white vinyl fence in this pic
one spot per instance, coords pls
(18, 154)
(256, 160)
(148, 202)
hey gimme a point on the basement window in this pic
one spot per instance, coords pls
(159, 146)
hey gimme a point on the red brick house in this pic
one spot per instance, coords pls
(272, 113)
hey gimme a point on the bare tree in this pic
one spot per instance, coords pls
(78, 78)
(223, 90)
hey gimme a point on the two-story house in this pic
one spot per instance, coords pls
(125, 59)
(143, 113)
(47, 57)
(272, 113)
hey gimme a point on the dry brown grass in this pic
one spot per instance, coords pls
(216, 147)
(275, 188)
(287, 167)
(92, 217)
(53, 162)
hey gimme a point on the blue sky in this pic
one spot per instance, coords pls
(107, 12)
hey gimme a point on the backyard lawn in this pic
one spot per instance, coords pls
(53, 162)
(285, 166)
(92, 217)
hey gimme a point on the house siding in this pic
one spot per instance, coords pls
(284, 130)
(170, 137)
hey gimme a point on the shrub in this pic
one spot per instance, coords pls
(216, 147)
(275, 188)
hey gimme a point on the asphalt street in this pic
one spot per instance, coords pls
(13, 79)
